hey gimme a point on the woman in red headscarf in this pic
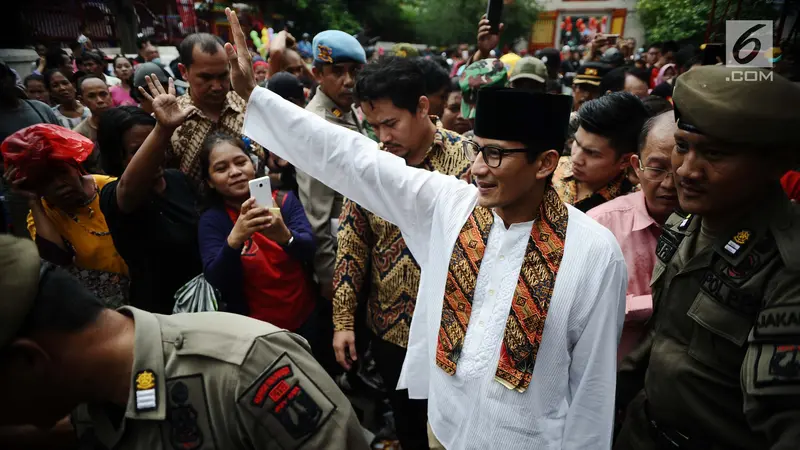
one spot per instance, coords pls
(43, 164)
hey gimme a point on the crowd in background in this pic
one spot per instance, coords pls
(135, 176)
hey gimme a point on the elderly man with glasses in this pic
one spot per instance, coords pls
(636, 220)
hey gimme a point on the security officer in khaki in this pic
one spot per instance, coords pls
(338, 57)
(136, 380)
(720, 368)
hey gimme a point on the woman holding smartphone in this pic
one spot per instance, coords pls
(255, 258)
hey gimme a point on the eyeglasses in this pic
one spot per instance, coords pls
(492, 154)
(654, 173)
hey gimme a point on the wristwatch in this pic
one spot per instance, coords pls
(289, 243)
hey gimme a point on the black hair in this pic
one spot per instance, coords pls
(91, 55)
(656, 105)
(75, 45)
(32, 77)
(455, 86)
(656, 45)
(670, 46)
(210, 197)
(142, 41)
(618, 116)
(400, 80)
(552, 59)
(10, 93)
(614, 80)
(62, 304)
(48, 77)
(87, 77)
(436, 78)
(208, 43)
(110, 131)
(647, 127)
(129, 82)
(54, 58)
(640, 73)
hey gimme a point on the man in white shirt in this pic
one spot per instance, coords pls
(494, 375)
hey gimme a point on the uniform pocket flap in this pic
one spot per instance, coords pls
(719, 319)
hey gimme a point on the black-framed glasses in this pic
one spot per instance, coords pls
(492, 154)
(654, 173)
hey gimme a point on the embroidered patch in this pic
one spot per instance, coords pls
(739, 241)
(188, 423)
(288, 403)
(777, 322)
(324, 54)
(337, 112)
(667, 245)
(777, 365)
(735, 299)
(744, 269)
(145, 388)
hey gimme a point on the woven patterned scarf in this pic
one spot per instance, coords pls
(531, 300)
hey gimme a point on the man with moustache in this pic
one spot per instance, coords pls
(719, 368)
(507, 356)
(636, 220)
(338, 57)
(393, 95)
(216, 108)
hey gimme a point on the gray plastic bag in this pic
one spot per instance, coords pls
(197, 295)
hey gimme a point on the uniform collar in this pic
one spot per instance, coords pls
(330, 106)
(772, 215)
(148, 358)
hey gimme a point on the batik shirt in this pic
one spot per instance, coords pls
(370, 247)
(567, 187)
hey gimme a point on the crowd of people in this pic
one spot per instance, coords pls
(572, 249)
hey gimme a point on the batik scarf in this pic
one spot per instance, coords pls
(531, 299)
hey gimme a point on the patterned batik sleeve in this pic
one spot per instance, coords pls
(352, 264)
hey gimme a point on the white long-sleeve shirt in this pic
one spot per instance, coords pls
(570, 401)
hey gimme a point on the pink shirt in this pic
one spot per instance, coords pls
(121, 97)
(637, 233)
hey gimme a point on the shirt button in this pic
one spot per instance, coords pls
(179, 342)
(491, 291)
(502, 258)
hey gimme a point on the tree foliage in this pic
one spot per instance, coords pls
(443, 22)
(686, 20)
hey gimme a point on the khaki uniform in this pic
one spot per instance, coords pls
(221, 381)
(722, 360)
(322, 204)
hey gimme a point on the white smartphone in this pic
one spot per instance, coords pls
(261, 190)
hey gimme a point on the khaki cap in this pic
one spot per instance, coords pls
(529, 67)
(19, 282)
(719, 102)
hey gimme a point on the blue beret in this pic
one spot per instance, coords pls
(334, 46)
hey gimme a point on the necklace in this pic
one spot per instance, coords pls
(74, 216)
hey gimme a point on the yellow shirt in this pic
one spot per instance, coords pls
(86, 233)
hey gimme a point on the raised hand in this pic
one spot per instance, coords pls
(487, 41)
(242, 77)
(16, 183)
(168, 112)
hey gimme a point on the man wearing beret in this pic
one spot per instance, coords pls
(720, 368)
(521, 299)
(338, 57)
(135, 380)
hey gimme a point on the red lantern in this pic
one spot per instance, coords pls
(563, 25)
(604, 20)
(582, 27)
(579, 22)
(592, 22)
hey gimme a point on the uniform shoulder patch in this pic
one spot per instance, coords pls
(778, 322)
(287, 402)
(188, 422)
